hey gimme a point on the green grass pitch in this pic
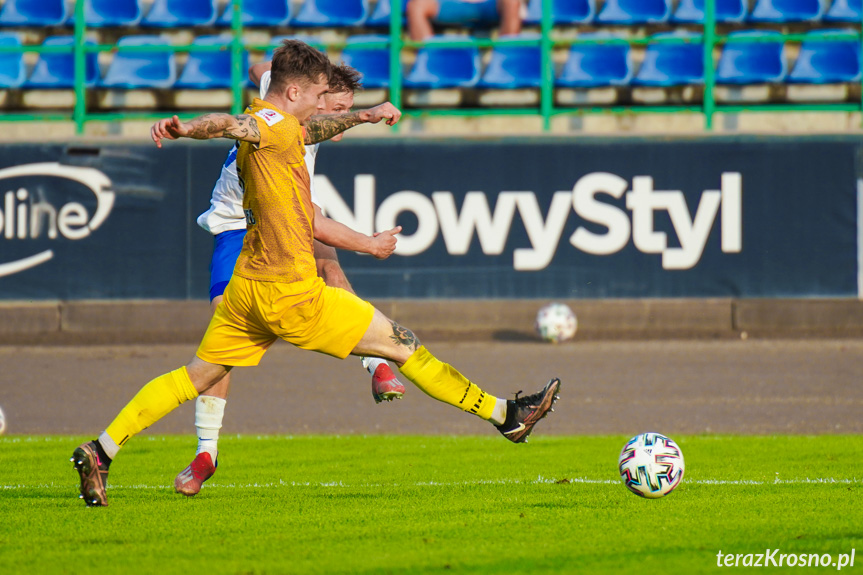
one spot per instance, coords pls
(408, 504)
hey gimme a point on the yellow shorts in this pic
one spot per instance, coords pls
(308, 314)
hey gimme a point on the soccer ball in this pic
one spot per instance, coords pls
(651, 465)
(555, 322)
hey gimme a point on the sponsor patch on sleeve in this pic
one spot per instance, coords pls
(269, 116)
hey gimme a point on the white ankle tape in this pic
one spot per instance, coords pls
(108, 444)
(209, 412)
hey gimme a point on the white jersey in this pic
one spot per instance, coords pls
(226, 203)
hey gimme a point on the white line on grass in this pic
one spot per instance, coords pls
(538, 480)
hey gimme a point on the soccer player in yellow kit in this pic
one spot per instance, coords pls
(225, 219)
(275, 291)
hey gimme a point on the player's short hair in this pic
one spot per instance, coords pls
(297, 61)
(343, 78)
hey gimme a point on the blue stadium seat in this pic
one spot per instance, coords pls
(12, 70)
(108, 13)
(53, 70)
(597, 65)
(133, 69)
(332, 13)
(381, 14)
(629, 12)
(180, 13)
(672, 64)
(845, 11)
(692, 11)
(33, 13)
(752, 62)
(827, 62)
(563, 11)
(372, 63)
(269, 13)
(514, 66)
(787, 10)
(437, 67)
(208, 70)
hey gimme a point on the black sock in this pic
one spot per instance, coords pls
(510, 414)
(103, 457)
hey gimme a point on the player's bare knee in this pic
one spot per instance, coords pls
(220, 388)
(205, 375)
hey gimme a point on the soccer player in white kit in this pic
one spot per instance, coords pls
(227, 222)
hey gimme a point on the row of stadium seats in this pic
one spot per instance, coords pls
(635, 12)
(663, 65)
(353, 13)
(740, 63)
(587, 65)
(127, 70)
(188, 13)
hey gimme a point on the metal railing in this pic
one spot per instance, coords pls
(396, 45)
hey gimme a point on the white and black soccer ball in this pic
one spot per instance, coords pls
(651, 465)
(2, 422)
(556, 323)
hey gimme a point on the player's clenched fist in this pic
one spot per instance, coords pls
(384, 243)
(170, 129)
(385, 111)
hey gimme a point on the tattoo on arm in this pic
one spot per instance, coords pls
(224, 126)
(325, 126)
(246, 126)
(404, 336)
(206, 127)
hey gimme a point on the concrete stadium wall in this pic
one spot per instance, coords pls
(120, 322)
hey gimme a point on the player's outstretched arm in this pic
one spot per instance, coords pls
(335, 234)
(324, 126)
(243, 127)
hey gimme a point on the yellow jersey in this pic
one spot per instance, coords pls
(279, 242)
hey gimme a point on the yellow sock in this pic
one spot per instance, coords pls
(444, 383)
(152, 403)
